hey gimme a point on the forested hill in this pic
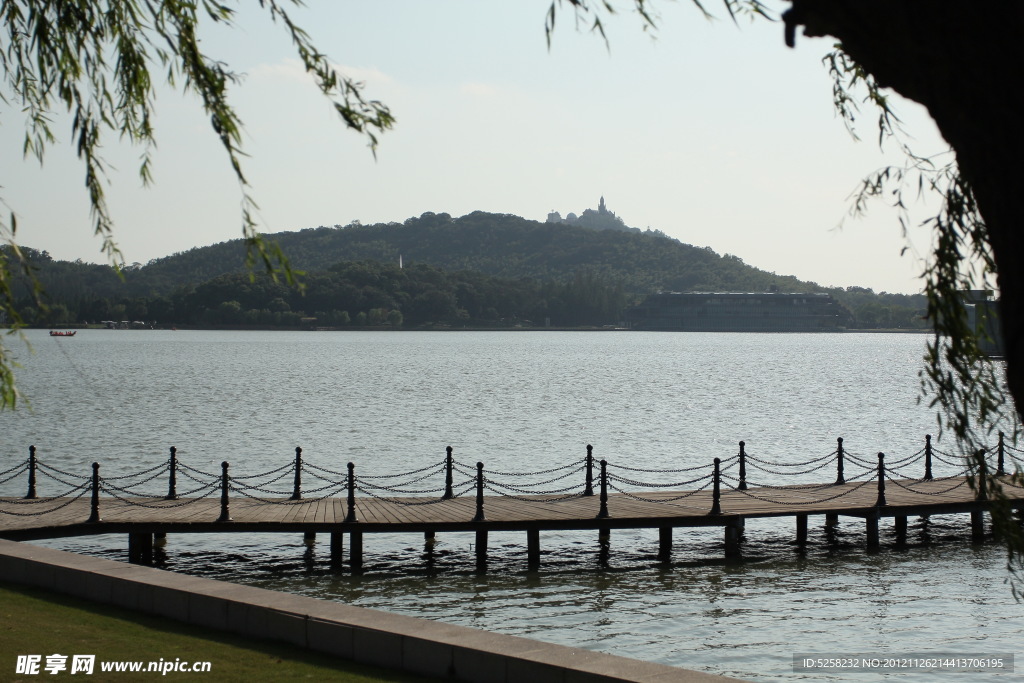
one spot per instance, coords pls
(495, 244)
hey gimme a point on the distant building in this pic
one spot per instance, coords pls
(983, 317)
(600, 219)
(738, 312)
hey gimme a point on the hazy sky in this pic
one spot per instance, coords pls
(715, 134)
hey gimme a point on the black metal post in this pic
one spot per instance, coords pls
(982, 475)
(1000, 471)
(588, 490)
(172, 475)
(225, 513)
(94, 515)
(743, 467)
(928, 457)
(716, 492)
(840, 479)
(881, 481)
(448, 475)
(479, 493)
(604, 491)
(351, 516)
(31, 472)
(297, 489)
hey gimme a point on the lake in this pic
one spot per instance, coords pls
(524, 401)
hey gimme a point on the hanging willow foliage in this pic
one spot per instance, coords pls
(101, 63)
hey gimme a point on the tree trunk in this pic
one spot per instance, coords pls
(964, 61)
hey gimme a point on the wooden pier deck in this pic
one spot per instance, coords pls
(533, 514)
(502, 513)
(721, 498)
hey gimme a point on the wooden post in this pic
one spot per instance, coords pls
(350, 517)
(448, 495)
(533, 547)
(481, 548)
(743, 467)
(309, 536)
(428, 536)
(588, 489)
(1000, 471)
(928, 457)
(801, 529)
(832, 519)
(31, 472)
(172, 475)
(355, 541)
(140, 548)
(977, 525)
(664, 543)
(337, 548)
(733, 536)
(716, 492)
(881, 481)
(840, 479)
(225, 513)
(480, 495)
(603, 512)
(297, 488)
(901, 529)
(94, 514)
(871, 527)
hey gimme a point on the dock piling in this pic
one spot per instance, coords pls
(337, 548)
(140, 548)
(533, 547)
(665, 543)
(900, 522)
(871, 529)
(355, 541)
(733, 538)
(977, 526)
(481, 548)
(801, 529)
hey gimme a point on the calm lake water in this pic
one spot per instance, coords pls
(522, 401)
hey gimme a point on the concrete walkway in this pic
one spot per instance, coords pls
(355, 633)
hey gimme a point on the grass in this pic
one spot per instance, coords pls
(38, 622)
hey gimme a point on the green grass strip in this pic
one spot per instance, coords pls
(36, 622)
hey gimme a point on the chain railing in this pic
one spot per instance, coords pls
(314, 482)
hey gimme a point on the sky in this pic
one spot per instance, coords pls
(712, 132)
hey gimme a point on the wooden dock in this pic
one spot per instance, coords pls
(717, 499)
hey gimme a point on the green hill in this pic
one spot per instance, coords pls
(495, 244)
(481, 268)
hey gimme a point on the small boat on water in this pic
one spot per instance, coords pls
(63, 333)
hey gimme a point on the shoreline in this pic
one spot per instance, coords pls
(358, 634)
